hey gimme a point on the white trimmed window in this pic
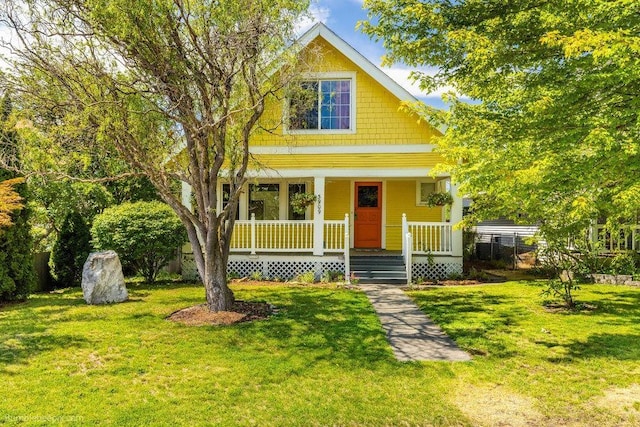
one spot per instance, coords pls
(269, 201)
(423, 189)
(323, 105)
(264, 201)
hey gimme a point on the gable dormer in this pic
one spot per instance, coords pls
(353, 102)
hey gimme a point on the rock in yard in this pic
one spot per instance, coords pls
(102, 279)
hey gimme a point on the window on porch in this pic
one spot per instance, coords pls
(296, 189)
(271, 201)
(264, 201)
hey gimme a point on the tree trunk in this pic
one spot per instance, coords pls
(219, 296)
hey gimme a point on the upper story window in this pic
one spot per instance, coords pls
(323, 105)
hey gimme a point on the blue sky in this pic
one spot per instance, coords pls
(342, 16)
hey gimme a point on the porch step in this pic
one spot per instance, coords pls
(379, 269)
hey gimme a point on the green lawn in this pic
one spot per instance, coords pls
(323, 360)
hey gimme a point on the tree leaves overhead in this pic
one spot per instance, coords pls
(552, 130)
(174, 88)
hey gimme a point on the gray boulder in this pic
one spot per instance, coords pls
(102, 279)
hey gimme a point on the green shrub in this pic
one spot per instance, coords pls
(70, 251)
(332, 276)
(625, 263)
(475, 274)
(455, 276)
(232, 275)
(17, 277)
(306, 277)
(145, 235)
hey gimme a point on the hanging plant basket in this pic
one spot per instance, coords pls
(300, 202)
(438, 199)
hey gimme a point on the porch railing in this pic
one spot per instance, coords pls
(286, 236)
(626, 239)
(428, 237)
(298, 236)
(334, 235)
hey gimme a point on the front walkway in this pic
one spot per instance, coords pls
(411, 334)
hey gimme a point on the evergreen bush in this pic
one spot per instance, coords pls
(70, 251)
(17, 277)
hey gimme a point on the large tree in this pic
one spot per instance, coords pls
(174, 87)
(551, 129)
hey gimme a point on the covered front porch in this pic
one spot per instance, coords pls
(284, 249)
(347, 214)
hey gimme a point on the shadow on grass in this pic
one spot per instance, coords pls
(20, 347)
(337, 326)
(619, 302)
(472, 318)
(615, 346)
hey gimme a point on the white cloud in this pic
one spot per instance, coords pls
(401, 76)
(317, 14)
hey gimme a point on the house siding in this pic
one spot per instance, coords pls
(337, 199)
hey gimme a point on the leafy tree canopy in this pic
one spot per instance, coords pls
(173, 88)
(553, 130)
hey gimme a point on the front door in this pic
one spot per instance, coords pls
(368, 215)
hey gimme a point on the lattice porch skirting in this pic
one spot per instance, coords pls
(439, 268)
(282, 267)
(286, 267)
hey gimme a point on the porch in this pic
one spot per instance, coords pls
(283, 249)
(348, 210)
(626, 239)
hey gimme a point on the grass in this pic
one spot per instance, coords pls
(322, 360)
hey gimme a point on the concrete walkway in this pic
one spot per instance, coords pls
(411, 334)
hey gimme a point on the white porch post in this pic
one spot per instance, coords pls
(347, 245)
(318, 216)
(456, 217)
(405, 230)
(593, 233)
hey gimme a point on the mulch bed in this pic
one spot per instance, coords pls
(242, 311)
(557, 307)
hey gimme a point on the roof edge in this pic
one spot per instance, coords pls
(321, 30)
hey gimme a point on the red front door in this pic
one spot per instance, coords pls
(368, 215)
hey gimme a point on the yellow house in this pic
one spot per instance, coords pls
(362, 164)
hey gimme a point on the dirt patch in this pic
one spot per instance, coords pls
(242, 311)
(622, 402)
(440, 283)
(498, 406)
(92, 363)
(557, 307)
